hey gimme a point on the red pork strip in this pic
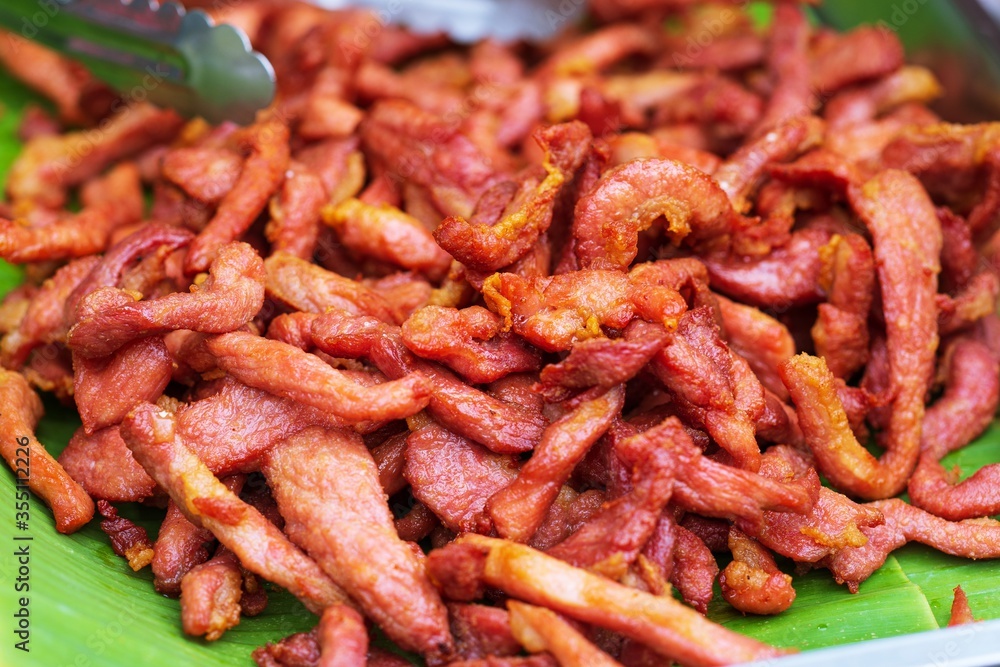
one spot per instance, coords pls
(867, 52)
(151, 435)
(714, 388)
(298, 650)
(966, 409)
(180, 546)
(210, 596)
(693, 570)
(668, 627)
(541, 630)
(233, 293)
(310, 288)
(109, 202)
(50, 165)
(127, 539)
(972, 538)
(961, 613)
(841, 330)
(429, 151)
(390, 458)
(102, 464)
(518, 510)
(834, 522)
(630, 197)
(752, 582)
(116, 261)
(788, 60)
(287, 371)
(486, 247)
(43, 318)
(976, 300)
(33, 466)
(348, 528)
(504, 428)
(295, 214)
(106, 389)
(481, 631)
(788, 276)
(605, 362)
(469, 341)
(343, 639)
(387, 234)
(205, 173)
(455, 477)
(610, 541)
(760, 339)
(595, 51)
(738, 175)
(262, 174)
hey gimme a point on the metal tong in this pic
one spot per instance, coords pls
(155, 52)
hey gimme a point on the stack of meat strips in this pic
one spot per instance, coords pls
(573, 318)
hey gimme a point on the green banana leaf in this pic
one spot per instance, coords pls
(87, 608)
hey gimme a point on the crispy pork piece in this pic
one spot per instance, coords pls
(33, 466)
(210, 596)
(152, 436)
(347, 527)
(343, 638)
(127, 539)
(541, 630)
(752, 581)
(961, 613)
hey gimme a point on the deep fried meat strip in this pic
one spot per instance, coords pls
(542, 630)
(838, 61)
(595, 51)
(343, 638)
(630, 197)
(841, 330)
(610, 541)
(180, 546)
(127, 539)
(210, 596)
(665, 625)
(298, 650)
(713, 388)
(295, 211)
(348, 529)
(752, 582)
(103, 465)
(760, 339)
(262, 174)
(961, 613)
(972, 538)
(469, 341)
(481, 631)
(205, 173)
(312, 289)
(287, 371)
(455, 477)
(971, 395)
(145, 242)
(111, 201)
(230, 297)
(788, 61)
(693, 569)
(788, 276)
(738, 175)
(518, 509)
(502, 427)
(835, 522)
(428, 151)
(50, 165)
(152, 436)
(977, 299)
(605, 362)
(488, 247)
(105, 389)
(387, 234)
(43, 317)
(34, 467)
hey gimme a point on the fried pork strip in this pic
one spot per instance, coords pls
(151, 435)
(34, 467)
(347, 527)
(665, 625)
